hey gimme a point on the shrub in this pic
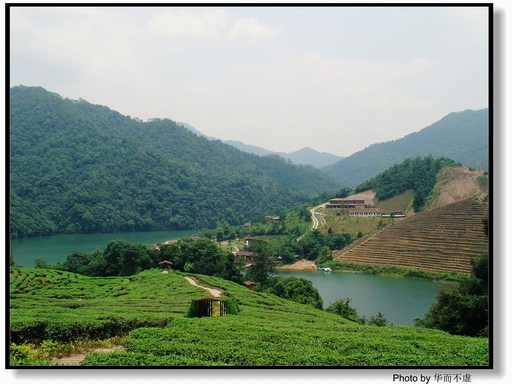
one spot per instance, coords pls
(378, 320)
(342, 308)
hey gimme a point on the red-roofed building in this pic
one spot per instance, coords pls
(244, 256)
(346, 202)
(251, 285)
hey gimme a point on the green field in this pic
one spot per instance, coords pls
(401, 202)
(151, 307)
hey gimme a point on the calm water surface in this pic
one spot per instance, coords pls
(53, 249)
(399, 299)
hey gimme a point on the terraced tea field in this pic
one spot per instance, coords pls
(151, 307)
(445, 239)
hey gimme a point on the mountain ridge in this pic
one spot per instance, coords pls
(461, 136)
(303, 156)
(76, 167)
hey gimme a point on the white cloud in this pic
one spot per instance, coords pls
(378, 77)
(251, 30)
(82, 39)
(204, 24)
(310, 93)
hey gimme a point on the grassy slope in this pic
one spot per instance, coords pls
(366, 225)
(267, 330)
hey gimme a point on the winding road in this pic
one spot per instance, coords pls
(317, 217)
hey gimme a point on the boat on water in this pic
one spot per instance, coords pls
(324, 269)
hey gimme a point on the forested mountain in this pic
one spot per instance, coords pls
(76, 167)
(250, 148)
(304, 156)
(417, 174)
(312, 156)
(461, 136)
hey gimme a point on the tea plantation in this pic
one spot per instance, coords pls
(152, 307)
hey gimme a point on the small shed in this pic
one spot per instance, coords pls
(251, 285)
(165, 264)
(208, 307)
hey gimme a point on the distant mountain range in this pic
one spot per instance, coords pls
(304, 156)
(76, 167)
(461, 136)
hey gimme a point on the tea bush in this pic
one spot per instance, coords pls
(266, 330)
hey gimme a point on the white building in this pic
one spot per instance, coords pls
(365, 212)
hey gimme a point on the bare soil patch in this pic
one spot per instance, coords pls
(456, 184)
(367, 195)
(301, 265)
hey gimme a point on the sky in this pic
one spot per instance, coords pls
(347, 66)
(333, 78)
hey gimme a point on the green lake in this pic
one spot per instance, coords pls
(399, 299)
(53, 249)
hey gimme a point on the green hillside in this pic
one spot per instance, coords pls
(76, 167)
(302, 156)
(461, 136)
(263, 330)
(444, 239)
(419, 175)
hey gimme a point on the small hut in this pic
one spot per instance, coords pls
(208, 307)
(166, 264)
(251, 285)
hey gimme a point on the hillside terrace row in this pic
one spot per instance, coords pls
(443, 240)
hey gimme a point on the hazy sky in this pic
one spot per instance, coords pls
(335, 79)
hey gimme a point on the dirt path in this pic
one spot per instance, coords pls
(314, 217)
(213, 292)
(76, 359)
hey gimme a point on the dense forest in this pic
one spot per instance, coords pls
(76, 167)
(461, 136)
(417, 174)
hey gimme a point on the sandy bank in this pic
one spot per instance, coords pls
(301, 265)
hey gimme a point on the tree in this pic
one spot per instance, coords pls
(378, 320)
(324, 255)
(342, 308)
(264, 263)
(463, 309)
(97, 264)
(40, 263)
(296, 289)
(77, 262)
(124, 259)
(485, 222)
(200, 256)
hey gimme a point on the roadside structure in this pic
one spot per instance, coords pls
(365, 212)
